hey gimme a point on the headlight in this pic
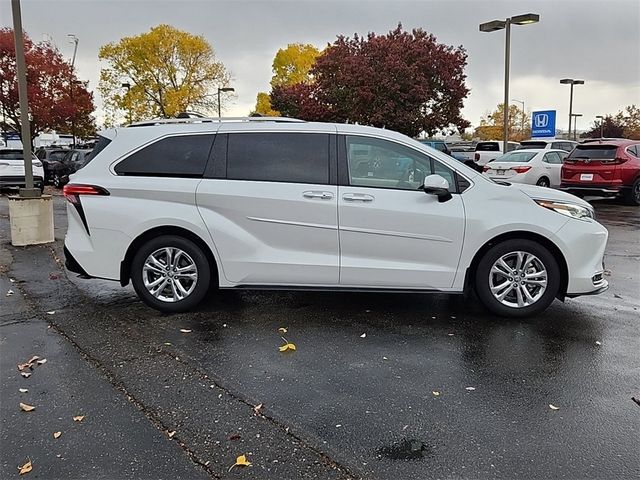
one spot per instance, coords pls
(569, 209)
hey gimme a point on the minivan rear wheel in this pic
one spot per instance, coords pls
(517, 278)
(171, 273)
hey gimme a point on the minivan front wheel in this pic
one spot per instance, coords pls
(170, 273)
(517, 278)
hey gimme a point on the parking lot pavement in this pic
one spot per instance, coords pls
(380, 386)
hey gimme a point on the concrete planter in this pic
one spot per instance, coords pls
(31, 220)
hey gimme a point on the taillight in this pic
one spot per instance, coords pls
(520, 169)
(614, 161)
(72, 191)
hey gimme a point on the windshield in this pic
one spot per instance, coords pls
(487, 147)
(594, 152)
(515, 157)
(532, 144)
(12, 155)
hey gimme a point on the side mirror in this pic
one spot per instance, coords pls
(438, 186)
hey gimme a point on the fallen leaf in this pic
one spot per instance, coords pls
(470, 388)
(436, 393)
(257, 408)
(287, 346)
(78, 418)
(41, 362)
(167, 343)
(364, 335)
(184, 330)
(615, 295)
(23, 390)
(26, 468)
(224, 325)
(9, 292)
(598, 342)
(385, 358)
(553, 407)
(51, 312)
(27, 408)
(451, 334)
(25, 374)
(241, 461)
(57, 434)
(235, 436)
(339, 425)
(171, 434)
(282, 330)
(12, 280)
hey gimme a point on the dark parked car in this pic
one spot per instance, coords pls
(49, 156)
(73, 161)
(604, 168)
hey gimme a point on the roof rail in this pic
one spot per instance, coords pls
(166, 121)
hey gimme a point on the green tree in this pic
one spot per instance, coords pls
(491, 124)
(291, 65)
(169, 71)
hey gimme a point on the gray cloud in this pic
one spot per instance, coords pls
(595, 40)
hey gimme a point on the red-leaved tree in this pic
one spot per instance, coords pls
(56, 97)
(404, 81)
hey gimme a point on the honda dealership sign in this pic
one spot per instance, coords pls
(543, 124)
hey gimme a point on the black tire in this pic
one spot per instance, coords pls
(543, 182)
(632, 196)
(482, 276)
(56, 179)
(193, 251)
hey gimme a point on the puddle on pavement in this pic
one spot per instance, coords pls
(406, 449)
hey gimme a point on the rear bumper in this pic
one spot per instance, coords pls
(14, 181)
(72, 264)
(596, 190)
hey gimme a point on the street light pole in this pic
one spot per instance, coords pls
(601, 117)
(21, 72)
(73, 39)
(493, 26)
(223, 89)
(575, 124)
(572, 82)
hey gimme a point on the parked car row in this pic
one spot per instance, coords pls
(60, 163)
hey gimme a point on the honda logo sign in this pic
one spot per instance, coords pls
(543, 124)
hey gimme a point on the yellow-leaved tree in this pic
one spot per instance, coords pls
(491, 123)
(159, 73)
(290, 66)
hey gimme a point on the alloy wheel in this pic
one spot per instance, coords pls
(518, 279)
(170, 274)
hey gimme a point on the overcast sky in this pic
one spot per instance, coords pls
(594, 40)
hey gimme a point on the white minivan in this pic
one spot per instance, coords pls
(176, 206)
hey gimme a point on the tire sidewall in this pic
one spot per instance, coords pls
(484, 266)
(543, 182)
(194, 251)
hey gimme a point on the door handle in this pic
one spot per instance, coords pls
(320, 195)
(357, 197)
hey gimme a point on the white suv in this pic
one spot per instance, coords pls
(179, 205)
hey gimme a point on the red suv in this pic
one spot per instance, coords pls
(604, 167)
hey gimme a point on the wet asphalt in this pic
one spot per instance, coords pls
(381, 386)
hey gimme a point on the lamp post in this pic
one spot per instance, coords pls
(523, 114)
(73, 39)
(223, 89)
(127, 85)
(572, 82)
(493, 26)
(601, 117)
(575, 123)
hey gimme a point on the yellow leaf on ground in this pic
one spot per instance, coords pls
(26, 468)
(282, 330)
(241, 461)
(553, 407)
(27, 408)
(287, 346)
(78, 418)
(57, 434)
(257, 409)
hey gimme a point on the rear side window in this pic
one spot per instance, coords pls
(179, 156)
(487, 147)
(279, 157)
(101, 144)
(596, 152)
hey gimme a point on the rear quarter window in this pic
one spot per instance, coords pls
(177, 156)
